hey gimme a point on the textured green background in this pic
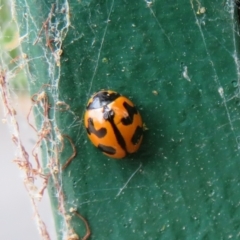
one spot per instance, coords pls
(187, 186)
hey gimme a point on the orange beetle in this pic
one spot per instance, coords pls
(113, 124)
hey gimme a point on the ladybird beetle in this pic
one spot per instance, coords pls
(113, 124)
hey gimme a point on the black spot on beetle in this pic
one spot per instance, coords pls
(117, 133)
(131, 111)
(137, 135)
(107, 149)
(91, 129)
(107, 113)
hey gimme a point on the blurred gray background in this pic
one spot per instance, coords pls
(16, 214)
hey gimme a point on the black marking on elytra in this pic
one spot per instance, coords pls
(102, 98)
(117, 133)
(107, 112)
(131, 111)
(137, 135)
(91, 129)
(107, 149)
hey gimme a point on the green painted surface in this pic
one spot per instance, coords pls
(184, 181)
